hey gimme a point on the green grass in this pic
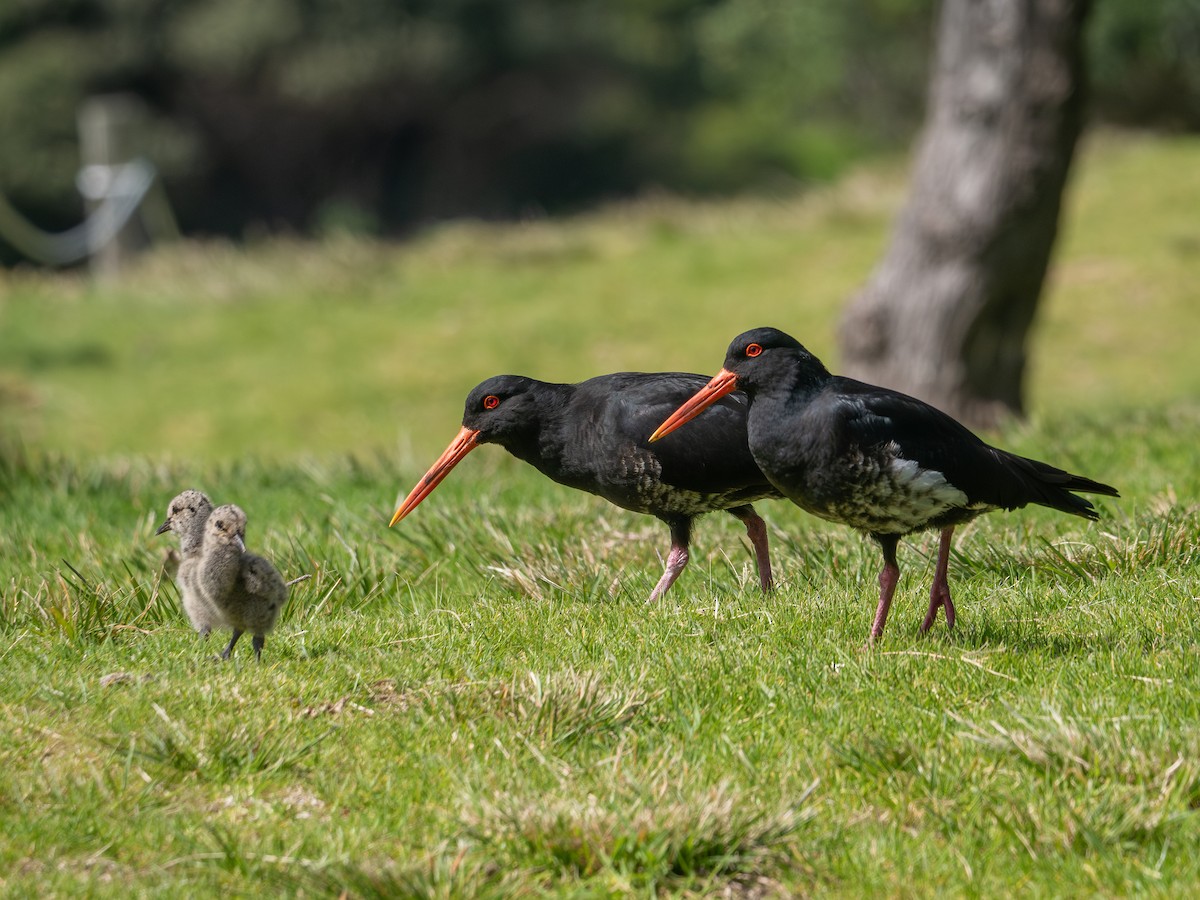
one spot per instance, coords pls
(477, 702)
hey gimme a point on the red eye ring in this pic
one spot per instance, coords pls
(491, 401)
(752, 350)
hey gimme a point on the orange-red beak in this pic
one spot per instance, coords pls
(464, 443)
(724, 382)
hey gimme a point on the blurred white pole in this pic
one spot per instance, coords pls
(109, 126)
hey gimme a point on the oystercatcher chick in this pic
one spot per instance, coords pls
(592, 436)
(186, 517)
(875, 459)
(245, 588)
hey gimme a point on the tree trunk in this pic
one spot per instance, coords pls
(945, 314)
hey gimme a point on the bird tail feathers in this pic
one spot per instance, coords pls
(1053, 487)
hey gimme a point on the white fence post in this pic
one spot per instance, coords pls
(109, 128)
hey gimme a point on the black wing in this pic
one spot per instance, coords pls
(710, 455)
(936, 441)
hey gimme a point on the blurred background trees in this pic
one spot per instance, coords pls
(380, 116)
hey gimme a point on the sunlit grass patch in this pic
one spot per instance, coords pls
(552, 710)
(449, 871)
(661, 837)
(81, 610)
(182, 752)
(566, 708)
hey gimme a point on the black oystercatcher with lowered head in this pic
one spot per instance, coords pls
(593, 436)
(872, 458)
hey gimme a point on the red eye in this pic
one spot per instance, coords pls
(752, 350)
(491, 401)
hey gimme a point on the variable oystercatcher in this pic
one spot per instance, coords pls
(872, 458)
(246, 590)
(592, 436)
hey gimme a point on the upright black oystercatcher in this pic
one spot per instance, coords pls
(593, 436)
(875, 459)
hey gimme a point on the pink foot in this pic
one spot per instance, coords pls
(939, 594)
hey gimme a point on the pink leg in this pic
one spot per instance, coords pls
(756, 530)
(939, 594)
(677, 559)
(888, 577)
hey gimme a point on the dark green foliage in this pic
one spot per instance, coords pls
(380, 116)
(1145, 61)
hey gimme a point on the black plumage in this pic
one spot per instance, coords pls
(872, 458)
(592, 436)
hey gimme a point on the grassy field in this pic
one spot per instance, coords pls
(477, 702)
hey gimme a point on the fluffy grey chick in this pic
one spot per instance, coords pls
(245, 588)
(186, 517)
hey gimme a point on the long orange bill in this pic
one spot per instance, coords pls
(464, 443)
(724, 382)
